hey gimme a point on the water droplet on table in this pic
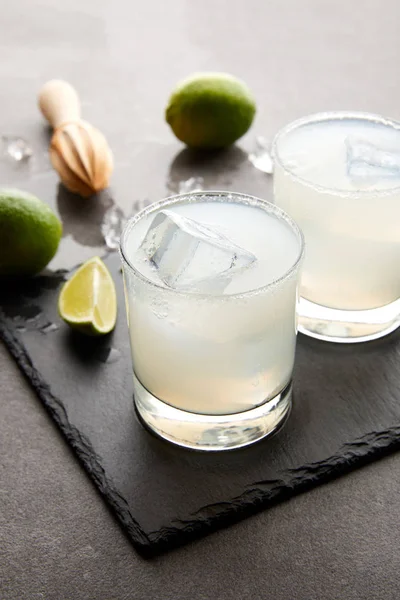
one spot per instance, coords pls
(48, 328)
(25, 317)
(261, 158)
(15, 147)
(27, 312)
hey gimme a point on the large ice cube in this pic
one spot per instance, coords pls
(366, 162)
(191, 255)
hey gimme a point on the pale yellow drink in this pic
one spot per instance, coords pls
(338, 176)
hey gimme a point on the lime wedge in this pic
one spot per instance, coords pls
(88, 301)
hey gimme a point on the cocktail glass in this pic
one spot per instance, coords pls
(210, 285)
(338, 176)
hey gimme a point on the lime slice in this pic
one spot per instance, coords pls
(88, 301)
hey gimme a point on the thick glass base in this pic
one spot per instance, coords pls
(347, 326)
(212, 432)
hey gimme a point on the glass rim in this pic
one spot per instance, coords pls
(339, 115)
(218, 196)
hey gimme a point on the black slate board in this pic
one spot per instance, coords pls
(346, 413)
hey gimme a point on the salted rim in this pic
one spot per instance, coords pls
(215, 196)
(328, 116)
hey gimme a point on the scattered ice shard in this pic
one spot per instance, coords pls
(193, 184)
(261, 158)
(108, 355)
(114, 221)
(366, 162)
(16, 147)
(190, 255)
(111, 228)
(185, 186)
(48, 328)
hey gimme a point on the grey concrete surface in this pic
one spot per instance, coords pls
(57, 538)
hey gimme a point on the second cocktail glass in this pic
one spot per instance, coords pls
(338, 175)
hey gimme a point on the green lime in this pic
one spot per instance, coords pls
(29, 232)
(210, 110)
(88, 301)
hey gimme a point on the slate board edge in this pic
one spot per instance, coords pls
(81, 446)
(210, 518)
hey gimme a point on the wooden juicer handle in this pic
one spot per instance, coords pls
(59, 103)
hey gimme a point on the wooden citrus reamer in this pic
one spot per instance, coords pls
(78, 151)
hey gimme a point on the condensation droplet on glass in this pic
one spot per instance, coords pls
(261, 158)
(193, 184)
(16, 148)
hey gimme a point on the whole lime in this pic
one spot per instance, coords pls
(210, 110)
(29, 232)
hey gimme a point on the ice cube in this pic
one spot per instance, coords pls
(114, 221)
(190, 255)
(16, 148)
(261, 158)
(111, 228)
(366, 162)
